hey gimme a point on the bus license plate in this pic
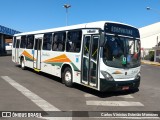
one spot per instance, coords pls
(125, 87)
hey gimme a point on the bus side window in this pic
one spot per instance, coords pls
(23, 42)
(61, 41)
(30, 42)
(55, 42)
(47, 41)
(58, 41)
(74, 41)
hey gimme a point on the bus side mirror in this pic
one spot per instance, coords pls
(102, 41)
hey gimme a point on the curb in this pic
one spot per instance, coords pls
(151, 63)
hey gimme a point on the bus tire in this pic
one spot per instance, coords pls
(67, 77)
(23, 64)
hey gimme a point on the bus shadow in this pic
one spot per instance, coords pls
(106, 94)
(5, 55)
(84, 88)
(51, 77)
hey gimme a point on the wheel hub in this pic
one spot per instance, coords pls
(68, 76)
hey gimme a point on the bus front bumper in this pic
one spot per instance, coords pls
(119, 85)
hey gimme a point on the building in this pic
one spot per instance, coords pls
(5, 37)
(150, 40)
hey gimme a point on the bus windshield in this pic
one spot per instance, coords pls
(120, 52)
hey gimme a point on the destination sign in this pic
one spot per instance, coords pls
(121, 30)
(7, 31)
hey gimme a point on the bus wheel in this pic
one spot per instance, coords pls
(67, 77)
(22, 64)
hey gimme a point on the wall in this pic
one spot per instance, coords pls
(150, 36)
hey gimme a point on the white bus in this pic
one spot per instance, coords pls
(101, 55)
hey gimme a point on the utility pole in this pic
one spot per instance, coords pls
(67, 6)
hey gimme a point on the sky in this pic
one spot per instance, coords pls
(31, 15)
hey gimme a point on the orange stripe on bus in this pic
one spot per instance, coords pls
(25, 53)
(61, 58)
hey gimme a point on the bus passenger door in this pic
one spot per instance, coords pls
(37, 53)
(17, 50)
(90, 60)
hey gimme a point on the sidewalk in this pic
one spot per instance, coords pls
(150, 62)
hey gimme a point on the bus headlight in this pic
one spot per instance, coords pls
(138, 76)
(107, 76)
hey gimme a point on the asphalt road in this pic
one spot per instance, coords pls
(26, 90)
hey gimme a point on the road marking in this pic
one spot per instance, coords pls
(43, 104)
(32, 96)
(89, 95)
(123, 96)
(126, 96)
(114, 103)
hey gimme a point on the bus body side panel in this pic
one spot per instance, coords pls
(46, 65)
(75, 63)
(15, 49)
(17, 53)
(13, 54)
(53, 61)
(28, 57)
(20, 54)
